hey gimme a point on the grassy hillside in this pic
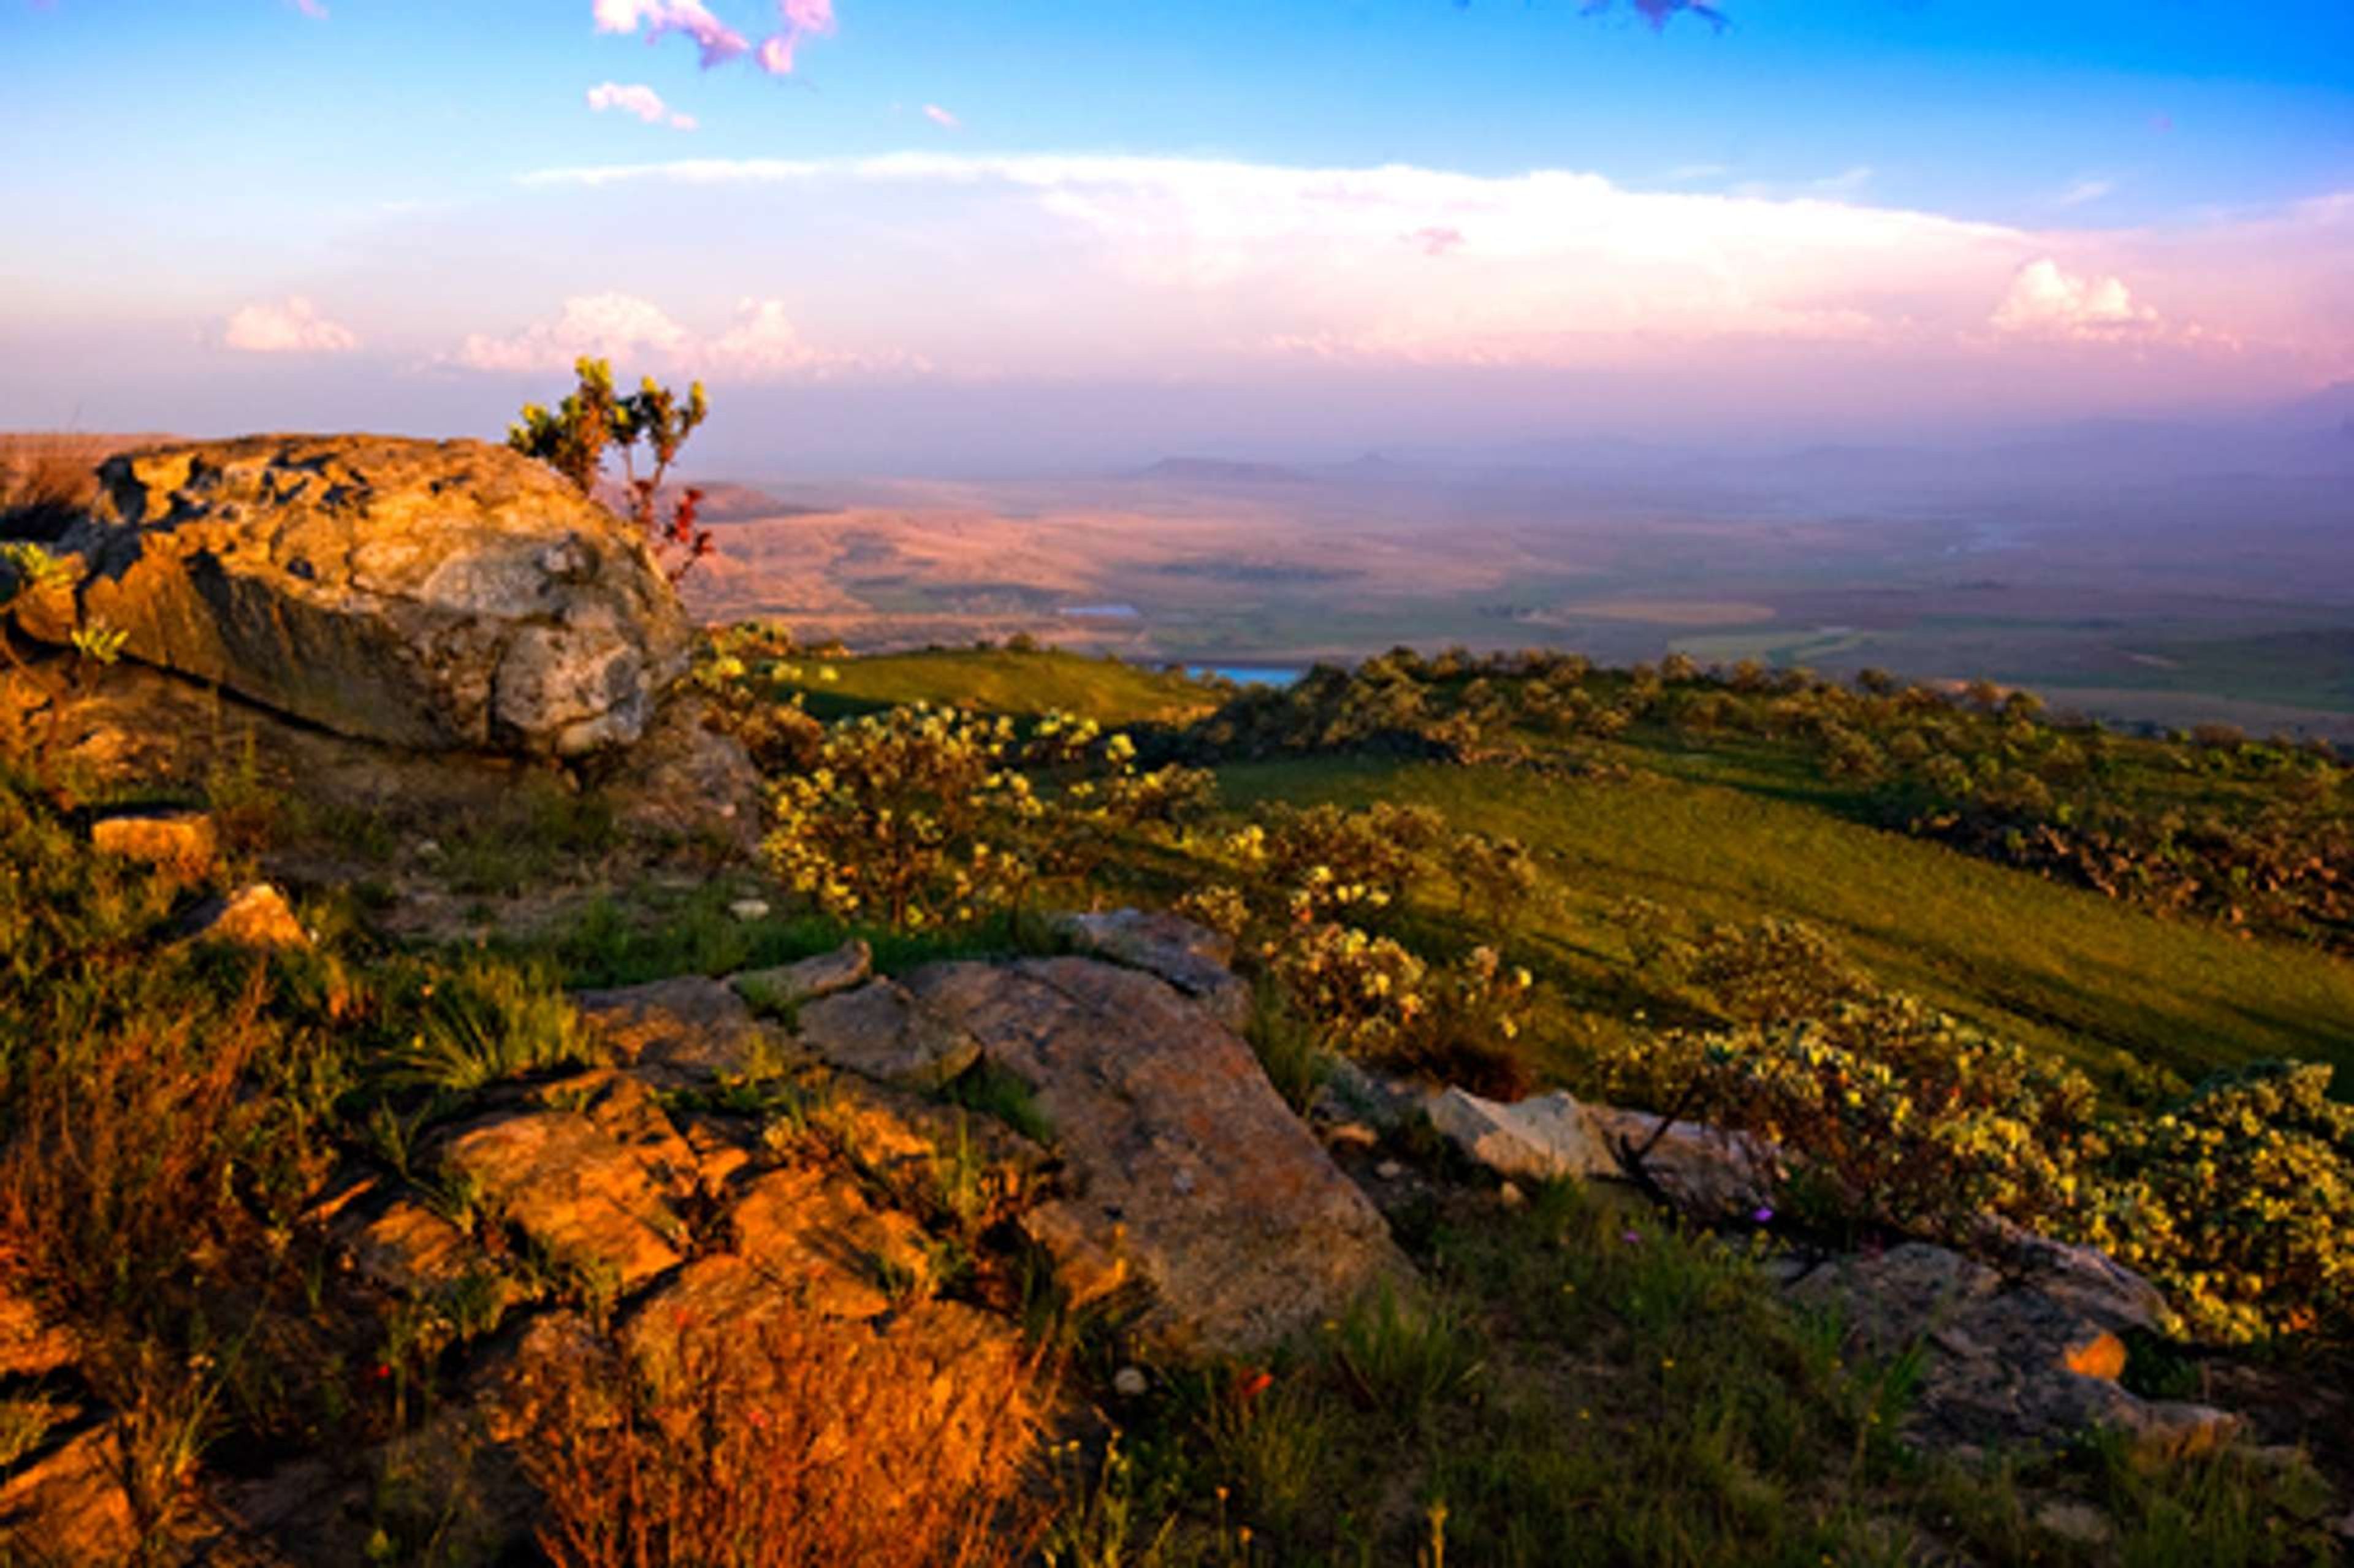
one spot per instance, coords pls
(1006, 681)
(1732, 827)
(2101, 981)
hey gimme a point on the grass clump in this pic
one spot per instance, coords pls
(475, 1024)
(807, 1442)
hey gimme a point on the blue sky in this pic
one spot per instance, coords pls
(400, 212)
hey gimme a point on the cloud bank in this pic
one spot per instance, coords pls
(761, 343)
(290, 326)
(1195, 265)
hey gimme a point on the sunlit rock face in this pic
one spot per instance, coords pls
(436, 595)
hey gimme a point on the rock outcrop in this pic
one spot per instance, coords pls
(2029, 1354)
(437, 596)
(1186, 1171)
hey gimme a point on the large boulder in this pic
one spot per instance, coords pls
(1184, 1170)
(436, 595)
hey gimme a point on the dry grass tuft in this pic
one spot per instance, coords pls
(813, 1442)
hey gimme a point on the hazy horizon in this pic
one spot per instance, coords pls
(917, 238)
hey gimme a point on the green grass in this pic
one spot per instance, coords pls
(2102, 982)
(1006, 682)
(1585, 1384)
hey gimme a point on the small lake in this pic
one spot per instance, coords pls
(1248, 674)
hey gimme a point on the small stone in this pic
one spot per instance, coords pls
(749, 909)
(1511, 1196)
(1129, 1383)
(255, 916)
(429, 849)
(1351, 1135)
(1389, 1170)
(183, 839)
(2073, 1519)
(1545, 1138)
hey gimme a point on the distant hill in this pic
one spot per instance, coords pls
(1221, 471)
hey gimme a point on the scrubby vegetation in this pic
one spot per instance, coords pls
(1684, 891)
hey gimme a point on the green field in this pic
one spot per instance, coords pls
(1734, 830)
(1003, 682)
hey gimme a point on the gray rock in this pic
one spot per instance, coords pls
(884, 1033)
(686, 1027)
(438, 596)
(1546, 1138)
(787, 987)
(1184, 1171)
(2008, 1363)
(1191, 958)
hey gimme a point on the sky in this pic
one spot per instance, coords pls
(938, 235)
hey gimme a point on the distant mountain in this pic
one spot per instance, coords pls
(1222, 471)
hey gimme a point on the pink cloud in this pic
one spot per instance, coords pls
(293, 326)
(642, 101)
(942, 118)
(718, 42)
(1438, 239)
(802, 19)
(314, 9)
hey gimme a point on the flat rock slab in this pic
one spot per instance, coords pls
(1186, 1170)
(787, 987)
(1193, 958)
(688, 1027)
(572, 1187)
(886, 1032)
(1708, 1171)
(2007, 1362)
(439, 596)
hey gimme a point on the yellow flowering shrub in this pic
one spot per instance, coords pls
(921, 816)
(2240, 1202)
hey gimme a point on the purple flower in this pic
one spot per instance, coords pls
(1630, 1237)
(1762, 1214)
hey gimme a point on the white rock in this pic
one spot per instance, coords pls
(1544, 1139)
(749, 909)
(1129, 1383)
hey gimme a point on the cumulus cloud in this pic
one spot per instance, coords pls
(761, 343)
(1438, 239)
(942, 118)
(796, 20)
(642, 101)
(2045, 300)
(292, 325)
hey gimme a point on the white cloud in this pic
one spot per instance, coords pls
(2045, 300)
(942, 118)
(292, 325)
(2082, 192)
(642, 101)
(760, 344)
(1189, 264)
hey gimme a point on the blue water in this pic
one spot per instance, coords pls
(1248, 674)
